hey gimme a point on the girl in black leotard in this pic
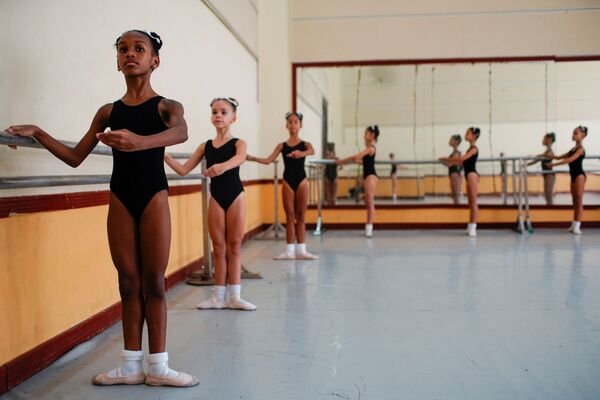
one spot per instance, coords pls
(295, 187)
(227, 208)
(393, 175)
(331, 179)
(454, 170)
(141, 124)
(549, 175)
(468, 162)
(575, 160)
(367, 159)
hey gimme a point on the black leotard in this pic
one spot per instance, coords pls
(576, 166)
(546, 167)
(331, 172)
(469, 163)
(226, 187)
(138, 175)
(394, 170)
(454, 168)
(293, 172)
(369, 164)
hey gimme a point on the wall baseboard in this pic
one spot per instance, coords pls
(449, 225)
(31, 362)
(28, 364)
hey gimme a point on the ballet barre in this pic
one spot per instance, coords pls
(275, 231)
(204, 277)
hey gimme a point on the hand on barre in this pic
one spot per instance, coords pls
(257, 159)
(22, 130)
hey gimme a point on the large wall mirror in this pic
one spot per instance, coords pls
(418, 107)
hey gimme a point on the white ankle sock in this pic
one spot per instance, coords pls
(290, 248)
(301, 248)
(220, 292)
(131, 364)
(472, 226)
(158, 365)
(576, 224)
(234, 290)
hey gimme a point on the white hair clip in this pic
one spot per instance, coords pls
(153, 36)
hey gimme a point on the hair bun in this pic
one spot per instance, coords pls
(157, 39)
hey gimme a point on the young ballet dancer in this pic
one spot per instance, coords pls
(393, 175)
(141, 124)
(331, 179)
(454, 170)
(367, 158)
(468, 162)
(549, 175)
(295, 187)
(575, 160)
(227, 207)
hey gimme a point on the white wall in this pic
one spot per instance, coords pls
(344, 30)
(275, 78)
(58, 68)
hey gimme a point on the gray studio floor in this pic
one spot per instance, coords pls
(405, 315)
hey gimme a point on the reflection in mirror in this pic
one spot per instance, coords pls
(423, 112)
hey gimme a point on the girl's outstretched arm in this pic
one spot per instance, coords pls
(71, 156)
(189, 165)
(355, 158)
(565, 158)
(267, 160)
(458, 160)
(560, 157)
(235, 161)
(172, 113)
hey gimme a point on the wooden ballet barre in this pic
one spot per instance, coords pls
(276, 231)
(22, 141)
(24, 182)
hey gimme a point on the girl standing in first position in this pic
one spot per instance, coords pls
(454, 170)
(141, 124)
(393, 175)
(549, 175)
(468, 162)
(575, 159)
(295, 187)
(227, 208)
(367, 159)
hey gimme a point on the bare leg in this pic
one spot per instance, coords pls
(334, 191)
(155, 242)
(370, 184)
(329, 194)
(287, 194)
(577, 189)
(472, 183)
(216, 228)
(455, 187)
(549, 181)
(301, 202)
(393, 177)
(124, 250)
(236, 219)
